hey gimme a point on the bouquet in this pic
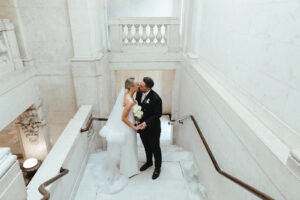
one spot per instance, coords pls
(137, 113)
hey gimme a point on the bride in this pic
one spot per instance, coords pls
(114, 167)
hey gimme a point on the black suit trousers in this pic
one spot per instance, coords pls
(151, 144)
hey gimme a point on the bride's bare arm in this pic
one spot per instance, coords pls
(125, 113)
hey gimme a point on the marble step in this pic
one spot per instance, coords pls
(179, 180)
(170, 153)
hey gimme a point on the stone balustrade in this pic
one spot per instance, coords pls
(144, 34)
(71, 152)
(140, 34)
(293, 162)
(11, 177)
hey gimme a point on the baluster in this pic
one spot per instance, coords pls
(124, 36)
(144, 35)
(159, 35)
(165, 35)
(151, 35)
(130, 36)
(137, 33)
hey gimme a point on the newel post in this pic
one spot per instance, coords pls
(115, 35)
(173, 37)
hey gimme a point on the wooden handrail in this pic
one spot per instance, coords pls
(168, 114)
(42, 187)
(216, 165)
(251, 189)
(89, 124)
(62, 172)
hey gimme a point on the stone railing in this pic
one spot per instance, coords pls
(293, 162)
(11, 177)
(144, 34)
(70, 152)
(10, 59)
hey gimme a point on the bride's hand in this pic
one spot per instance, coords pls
(137, 127)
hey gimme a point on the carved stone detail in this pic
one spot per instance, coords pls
(30, 123)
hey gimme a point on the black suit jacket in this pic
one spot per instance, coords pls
(152, 111)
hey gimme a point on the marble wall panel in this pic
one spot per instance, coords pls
(58, 102)
(256, 45)
(145, 8)
(231, 153)
(47, 31)
(9, 137)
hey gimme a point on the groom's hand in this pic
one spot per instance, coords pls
(143, 125)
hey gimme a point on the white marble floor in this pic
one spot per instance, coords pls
(174, 182)
(170, 185)
(166, 136)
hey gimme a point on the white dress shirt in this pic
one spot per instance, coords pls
(144, 95)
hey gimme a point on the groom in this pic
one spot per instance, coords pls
(150, 124)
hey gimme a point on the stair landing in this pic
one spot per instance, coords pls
(174, 183)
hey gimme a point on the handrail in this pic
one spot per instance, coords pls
(216, 165)
(89, 124)
(42, 187)
(168, 114)
(180, 120)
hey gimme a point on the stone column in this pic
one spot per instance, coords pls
(9, 45)
(191, 27)
(21, 32)
(88, 20)
(89, 64)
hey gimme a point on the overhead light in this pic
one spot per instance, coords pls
(30, 163)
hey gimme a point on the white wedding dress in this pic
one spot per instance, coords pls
(113, 168)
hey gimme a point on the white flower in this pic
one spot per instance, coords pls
(139, 114)
(148, 101)
(137, 111)
(136, 108)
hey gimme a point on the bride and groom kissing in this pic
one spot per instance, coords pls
(137, 109)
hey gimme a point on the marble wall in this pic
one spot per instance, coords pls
(9, 11)
(10, 137)
(144, 8)
(47, 30)
(255, 44)
(232, 133)
(53, 33)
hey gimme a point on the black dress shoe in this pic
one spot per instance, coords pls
(145, 166)
(156, 174)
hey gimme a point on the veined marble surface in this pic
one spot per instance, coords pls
(178, 180)
(6, 160)
(11, 178)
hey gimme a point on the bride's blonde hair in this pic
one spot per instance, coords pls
(129, 83)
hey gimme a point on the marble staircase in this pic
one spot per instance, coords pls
(179, 180)
(11, 177)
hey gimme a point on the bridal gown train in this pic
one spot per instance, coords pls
(129, 152)
(113, 168)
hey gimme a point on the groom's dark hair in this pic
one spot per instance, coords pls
(149, 82)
